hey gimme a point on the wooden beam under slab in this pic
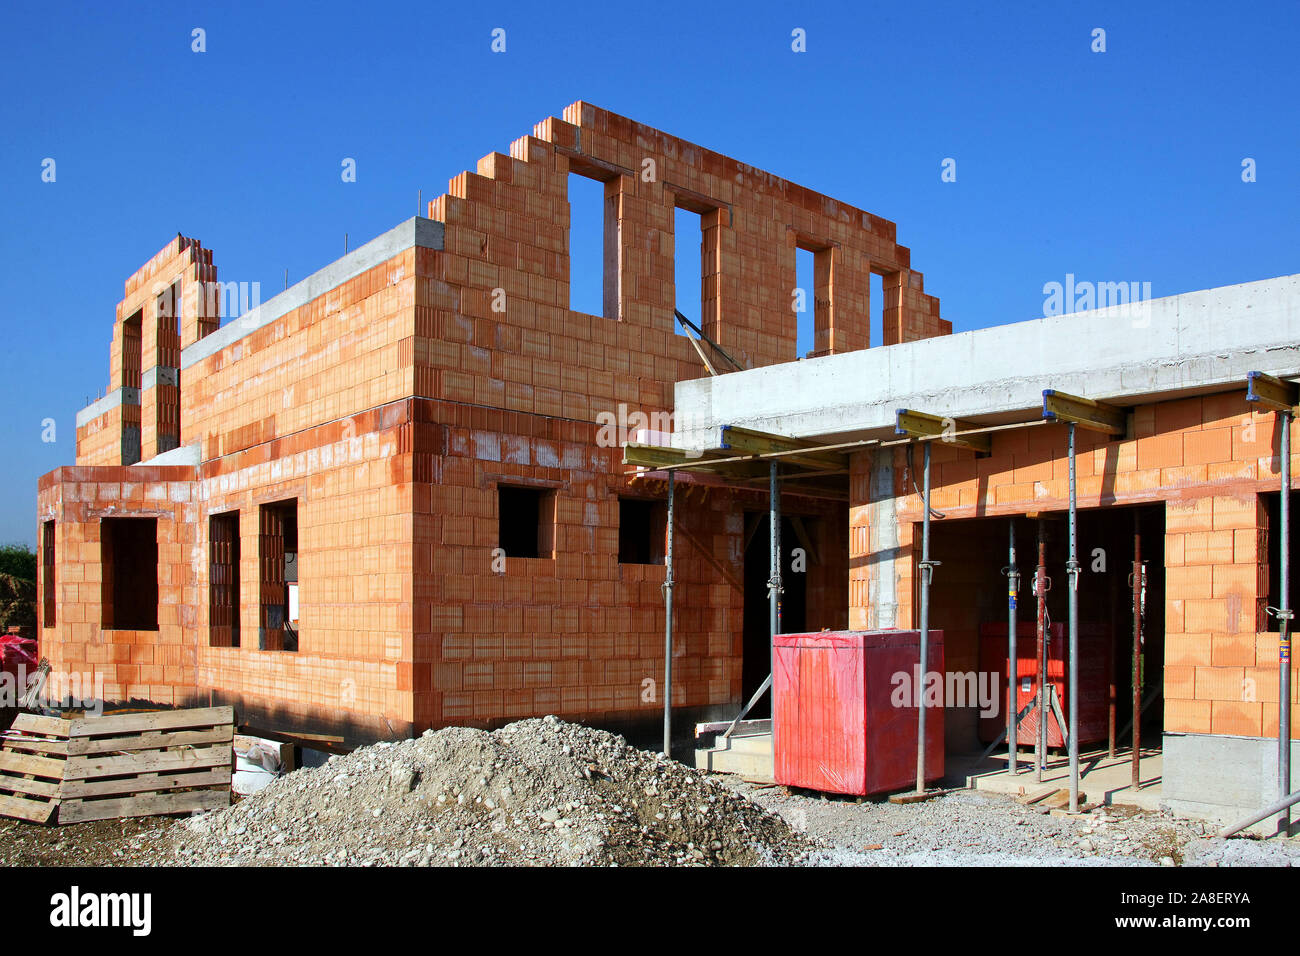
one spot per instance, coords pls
(739, 440)
(1272, 392)
(908, 421)
(1084, 412)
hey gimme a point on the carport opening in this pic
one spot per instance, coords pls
(969, 603)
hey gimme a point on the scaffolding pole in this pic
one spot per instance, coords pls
(1072, 569)
(1013, 658)
(926, 567)
(1040, 658)
(668, 621)
(1284, 629)
(1282, 397)
(1137, 648)
(1075, 410)
(774, 588)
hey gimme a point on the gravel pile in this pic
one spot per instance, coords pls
(537, 792)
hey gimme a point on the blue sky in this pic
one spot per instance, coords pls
(1115, 166)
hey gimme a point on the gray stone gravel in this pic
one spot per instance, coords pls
(974, 828)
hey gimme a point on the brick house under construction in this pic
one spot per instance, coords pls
(300, 511)
(382, 500)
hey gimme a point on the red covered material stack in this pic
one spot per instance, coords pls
(846, 710)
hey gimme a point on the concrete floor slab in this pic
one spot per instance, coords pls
(1104, 779)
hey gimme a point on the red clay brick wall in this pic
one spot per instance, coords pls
(577, 633)
(344, 352)
(391, 406)
(353, 483)
(147, 665)
(183, 261)
(1208, 459)
(592, 629)
(99, 441)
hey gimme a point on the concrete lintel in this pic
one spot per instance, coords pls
(160, 375)
(416, 231)
(1193, 343)
(118, 396)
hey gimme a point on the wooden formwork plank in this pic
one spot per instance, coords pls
(39, 788)
(37, 745)
(41, 726)
(156, 761)
(150, 740)
(76, 811)
(37, 811)
(16, 763)
(195, 717)
(76, 789)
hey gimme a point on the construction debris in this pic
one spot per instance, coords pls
(536, 792)
(259, 761)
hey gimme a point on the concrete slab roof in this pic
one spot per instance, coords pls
(1194, 343)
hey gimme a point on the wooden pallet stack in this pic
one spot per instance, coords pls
(120, 765)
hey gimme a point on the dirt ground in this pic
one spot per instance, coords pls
(962, 829)
(98, 843)
(544, 792)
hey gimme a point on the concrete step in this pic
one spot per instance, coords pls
(749, 756)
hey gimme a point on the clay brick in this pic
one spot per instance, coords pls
(1232, 650)
(1236, 717)
(1219, 683)
(1187, 716)
(1180, 682)
(1161, 450)
(1194, 515)
(1187, 650)
(1205, 447)
(1241, 511)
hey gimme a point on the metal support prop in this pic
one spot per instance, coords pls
(1072, 568)
(1284, 628)
(1270, 392)
(1040, 658)
(774, 589)
(1137, 647)
(668, 621)
(1013, 658)
(1112, 694)
(926, 567)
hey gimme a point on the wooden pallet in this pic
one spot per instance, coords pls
(121, 765)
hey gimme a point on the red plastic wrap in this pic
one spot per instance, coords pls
(839, 726)
(17, 653)
(1094, 680)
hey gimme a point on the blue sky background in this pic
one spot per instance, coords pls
(1118, 166)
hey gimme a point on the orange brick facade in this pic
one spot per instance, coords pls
(392, 404)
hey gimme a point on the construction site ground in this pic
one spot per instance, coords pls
(543, 792)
